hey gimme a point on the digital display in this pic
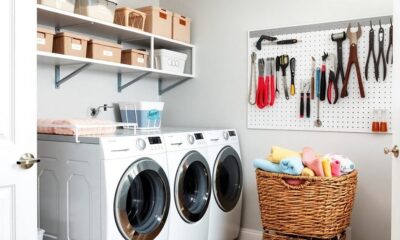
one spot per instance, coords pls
(198, 136)
(155, 140)
(232, 133)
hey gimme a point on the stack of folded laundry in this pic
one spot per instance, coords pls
(75, 126)
(305, 163)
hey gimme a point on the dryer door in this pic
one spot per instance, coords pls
(192, 187)
(227, 179)
(142, 200)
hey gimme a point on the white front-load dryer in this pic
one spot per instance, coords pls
(190, 183)
(227, 184)
(108, 188)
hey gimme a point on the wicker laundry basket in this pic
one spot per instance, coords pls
(277, 236)
(319, 207)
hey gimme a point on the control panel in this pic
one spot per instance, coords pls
(180, 141)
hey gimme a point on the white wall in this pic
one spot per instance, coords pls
(218, 97)
(89, 88)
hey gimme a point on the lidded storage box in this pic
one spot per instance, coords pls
(70, 44)
(102, 50)
(170, 61)
(130, 18)
(146, 114)
(158, 21)
(135, 57)
(181, 28)
(66, 5)
(44, 39)
(99, 9)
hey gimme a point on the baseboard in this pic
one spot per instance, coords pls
(250, 234)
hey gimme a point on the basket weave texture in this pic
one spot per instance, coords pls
(276, 236)
(319, 207)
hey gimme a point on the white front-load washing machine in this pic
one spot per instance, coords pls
(227, 184)
(190, 183)
(108, 188)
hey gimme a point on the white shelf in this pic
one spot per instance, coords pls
(61, 20)
(70, 21)
(65, 60)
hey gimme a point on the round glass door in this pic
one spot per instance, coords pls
(142, 200)
(192, 187)
(228, 179)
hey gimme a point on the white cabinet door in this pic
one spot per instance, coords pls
(18, 188)
(396, 125)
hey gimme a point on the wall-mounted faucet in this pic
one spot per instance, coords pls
(94, 112)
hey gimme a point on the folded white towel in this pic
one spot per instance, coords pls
(71, 127)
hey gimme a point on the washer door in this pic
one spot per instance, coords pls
(227, 179)
(192, 187)
(142, 200)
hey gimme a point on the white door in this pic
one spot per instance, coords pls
(396, 126)
(18, 201)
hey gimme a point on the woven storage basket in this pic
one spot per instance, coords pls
(277, 236)
(319, 207)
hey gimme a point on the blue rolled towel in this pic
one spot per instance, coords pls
(266, 165)
(291, 166)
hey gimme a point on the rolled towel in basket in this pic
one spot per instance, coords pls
(279, 153)
(326, 166)
(307, 172)
(335, 166)
(291, 165)
(346, 165)
(311, 161)
(266, 165)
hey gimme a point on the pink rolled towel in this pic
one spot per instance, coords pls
(335, 167)
(311, 161)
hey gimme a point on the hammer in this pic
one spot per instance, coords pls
(339, 38)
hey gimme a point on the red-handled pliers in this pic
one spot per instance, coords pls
(261, 89)
(333, 81)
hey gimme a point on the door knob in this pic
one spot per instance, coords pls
(394, 150)
(27, 160)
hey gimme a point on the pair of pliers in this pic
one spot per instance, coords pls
(271, 82)
(371, 50)
(260, 94)
(390, 47)
(333, 88)
(306, 87)
(381, 53)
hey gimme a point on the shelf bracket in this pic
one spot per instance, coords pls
(122, 87)
(162, 90)
(59, 81)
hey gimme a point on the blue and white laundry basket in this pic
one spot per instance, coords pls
(147, 115)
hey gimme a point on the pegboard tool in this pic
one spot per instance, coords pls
(312, 77)
(292, 75)
(284, 63)
(390, 47)
(333, 89)
(253, 83)
(339, 38)
(263, 38)
(371, 50)
(260, 94)
(381, 54)
(317, 81)
(271, 63)
(322, 86)
(277, 73)
(353, 60)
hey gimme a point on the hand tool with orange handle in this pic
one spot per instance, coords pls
(353, 60)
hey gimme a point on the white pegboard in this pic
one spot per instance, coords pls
(351, 114)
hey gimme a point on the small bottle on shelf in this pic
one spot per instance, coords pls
(383, 126)
(376, 120)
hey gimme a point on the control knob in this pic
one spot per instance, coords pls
(190, 139)
(140, 143)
